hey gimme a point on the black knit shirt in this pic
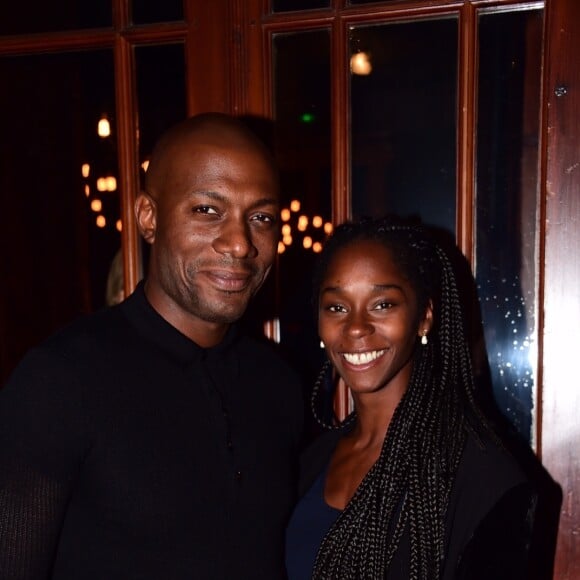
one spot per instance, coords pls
(128, 452)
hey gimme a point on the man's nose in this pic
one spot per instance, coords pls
(235, 240)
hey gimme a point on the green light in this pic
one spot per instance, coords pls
(307, 118)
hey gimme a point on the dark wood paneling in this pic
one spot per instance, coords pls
(208, 56)
(559, 441)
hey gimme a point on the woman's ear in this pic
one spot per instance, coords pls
(426, 323)
(146, 214)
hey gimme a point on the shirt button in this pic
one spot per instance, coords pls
(238, 475)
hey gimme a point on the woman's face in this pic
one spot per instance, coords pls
(369, 319)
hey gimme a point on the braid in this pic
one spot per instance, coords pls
(408, 487)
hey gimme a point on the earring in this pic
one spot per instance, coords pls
(321, 344)
(424, 340)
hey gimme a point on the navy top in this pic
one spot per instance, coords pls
(311, 520)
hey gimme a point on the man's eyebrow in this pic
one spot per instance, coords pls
(216, 196)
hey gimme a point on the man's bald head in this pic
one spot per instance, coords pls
(206, 129)
(210, 216)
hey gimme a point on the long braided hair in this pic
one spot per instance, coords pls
(408, 487)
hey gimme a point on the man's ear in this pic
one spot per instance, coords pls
(426, 323)
(146, 214)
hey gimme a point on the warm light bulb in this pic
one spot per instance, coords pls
(119, 226)
(287, 240)
(317, 221)
(145, 165)
(360, 64)
(111, 183)
(328, 228)
(307, 242)
(281, 248)
(295, 205)
(285, 214)
(87, 190)
(302, 223)
(104, 127)
(317, 247)
(101, 221)
(85, 169)
(96, 205)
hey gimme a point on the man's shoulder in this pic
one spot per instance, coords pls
(102, 326)
(267, 353)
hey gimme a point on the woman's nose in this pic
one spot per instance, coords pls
(358, 325)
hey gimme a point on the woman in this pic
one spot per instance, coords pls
(414, 484)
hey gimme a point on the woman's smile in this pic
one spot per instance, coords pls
(362, 358)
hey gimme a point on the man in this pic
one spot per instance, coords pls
(152, 440)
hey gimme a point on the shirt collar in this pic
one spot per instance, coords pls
(156, 329)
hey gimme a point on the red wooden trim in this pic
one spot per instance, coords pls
(128, 159)
(466, 132)
(56, 42)
(561, 283)
(208, 56)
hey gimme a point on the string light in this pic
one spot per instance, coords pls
(308, 228)
(96, 205)
(104, 127)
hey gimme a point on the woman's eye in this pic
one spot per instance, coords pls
(335, 308)
(384, 305)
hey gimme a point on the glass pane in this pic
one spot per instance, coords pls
(162, 102)
(302, 143)
(403, 107)
(294, 5)
(161, 92)
(507, 204)
(147, 12)
(57, 230)
(41, 16)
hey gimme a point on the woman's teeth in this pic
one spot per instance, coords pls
(362, 358)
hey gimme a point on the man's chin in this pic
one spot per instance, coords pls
(227, 313)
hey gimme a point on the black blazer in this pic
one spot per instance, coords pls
(489, 518)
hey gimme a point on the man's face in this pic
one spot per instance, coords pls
(214, 233)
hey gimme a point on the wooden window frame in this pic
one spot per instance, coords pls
(227, 45)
